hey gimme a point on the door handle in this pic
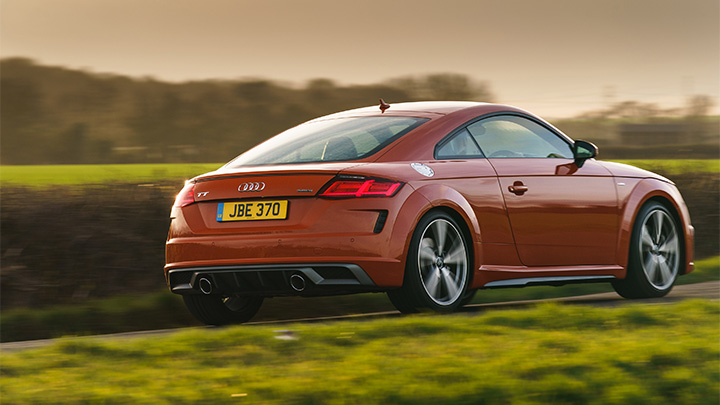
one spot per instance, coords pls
(518, 188)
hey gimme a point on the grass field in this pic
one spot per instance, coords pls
(99, 174)
(558, 354)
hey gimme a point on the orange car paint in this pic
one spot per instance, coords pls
(571, 220)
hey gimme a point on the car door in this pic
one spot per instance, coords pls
(560, 214)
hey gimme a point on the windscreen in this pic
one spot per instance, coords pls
(331, 140)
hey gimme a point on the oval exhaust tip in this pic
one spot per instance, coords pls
(205, 286)
(297, 282)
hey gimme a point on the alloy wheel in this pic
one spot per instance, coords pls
(659, 249)
(442, 262)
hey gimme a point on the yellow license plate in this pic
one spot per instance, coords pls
(252, 211)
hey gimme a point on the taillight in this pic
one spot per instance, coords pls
(361, 188)
(186, 195)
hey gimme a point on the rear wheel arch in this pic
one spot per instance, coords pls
(465, 229)
(473, 238)
(440, 196)
(421, 203)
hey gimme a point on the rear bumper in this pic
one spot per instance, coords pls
(371, 234)
(272, 279)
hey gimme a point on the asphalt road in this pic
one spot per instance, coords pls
(707, 290)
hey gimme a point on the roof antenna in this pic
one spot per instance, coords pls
(383, 105)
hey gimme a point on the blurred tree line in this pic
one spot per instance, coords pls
(638, 130)
(54, 115)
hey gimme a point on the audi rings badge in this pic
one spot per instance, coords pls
(254, 186)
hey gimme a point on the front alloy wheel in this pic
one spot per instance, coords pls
(655, 255)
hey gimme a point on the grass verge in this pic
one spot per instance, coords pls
(101, 174)
(671, 167)
(560, 354)
(164, 310)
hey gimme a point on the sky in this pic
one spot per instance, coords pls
(556, 58)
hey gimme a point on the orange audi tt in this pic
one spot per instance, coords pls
(426, 201)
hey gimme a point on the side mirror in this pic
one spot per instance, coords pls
(582, 151)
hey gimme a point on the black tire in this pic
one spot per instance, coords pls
(402, 302)
(656, 254)
(438, 267)
(468, 297)
(218, 310)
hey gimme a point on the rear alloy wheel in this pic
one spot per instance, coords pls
(655, 255)
(437, 270)
(218, 310)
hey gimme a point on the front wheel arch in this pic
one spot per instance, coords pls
(653, 190)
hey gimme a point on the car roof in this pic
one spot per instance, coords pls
(423, 108)
(436, 107)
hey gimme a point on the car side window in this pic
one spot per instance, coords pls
(460, 146)
(511, 136)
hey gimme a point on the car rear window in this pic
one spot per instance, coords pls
(331, 140)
